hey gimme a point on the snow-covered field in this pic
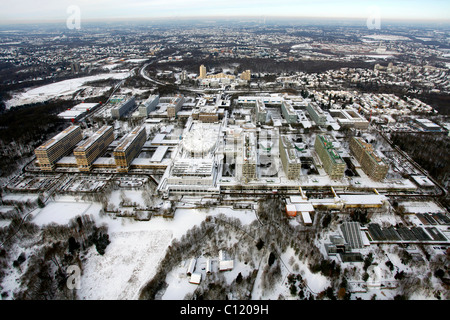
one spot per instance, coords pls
(59, 89)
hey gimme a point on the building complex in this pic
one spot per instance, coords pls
(54, 149)
(372, 164)
(129, 148)
(331, 160)
(86, 153)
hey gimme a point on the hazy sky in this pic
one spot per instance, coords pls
(23, 10)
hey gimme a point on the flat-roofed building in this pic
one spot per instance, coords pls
(292, 165)
(260, 111)
(123, 108)
(289, 112)
(129, 148)
(148, 105)
(371, 163)
(317, 114)
(349, 117)
(93, 147)
(60, 145)
(246, 75)
(174, 105)
(249, 156)
(331, 160)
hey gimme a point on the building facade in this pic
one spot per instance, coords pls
(148, 105)
(292, 165)
(372, 165)
(129, 148)
(316, 114)
(86, 153)
(54, 149)
(331, 160)
(123, 108)
(288, 112)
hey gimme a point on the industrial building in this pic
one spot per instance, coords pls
(123, 108)
(291, 162)
(54, 149)
(129, 148)
(317, 114)
(86, 153)
(331, 160)
(371, 163)
(148, 105)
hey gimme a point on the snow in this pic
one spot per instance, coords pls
(63, 212)
(59, 89)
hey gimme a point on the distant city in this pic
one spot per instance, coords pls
(250, 158)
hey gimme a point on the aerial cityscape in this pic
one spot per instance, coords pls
(209, 152)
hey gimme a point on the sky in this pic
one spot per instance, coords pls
(54, 10)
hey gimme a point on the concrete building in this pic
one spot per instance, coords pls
(332, 162)
(148, 105)
(54, 149)
(316, 114)
(292, 165)
(175, 105)
(372, 165)
(260, 111)
(202, 73)
(246, 75)
(123, 108)
(349, 117)
(249, 156)
(129, 148)
(289, 112)
(93, 147)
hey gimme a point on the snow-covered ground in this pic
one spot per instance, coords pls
(59, 89)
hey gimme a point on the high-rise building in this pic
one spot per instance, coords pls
(92, 148)
(54, 149)
(332, 162)
(249, 156)
(123, 108)
(246, 75)
(372, 165)
(202, 72)
(175, 105)
(148, 105)
(316, 114)
(129, 148)
(289, 112)
(292, 165)
(260, 111)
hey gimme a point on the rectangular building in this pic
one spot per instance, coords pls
(54, 149)
(92, 148)
(260, 111)
(372, 165)
(331, 160)
(317, 114)
(123, 108)
(129, 148)
(291, 163)
(148, 105)
(175, 105)
(289, 112)
(249, 160)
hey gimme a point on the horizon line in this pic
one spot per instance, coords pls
(4, 22)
